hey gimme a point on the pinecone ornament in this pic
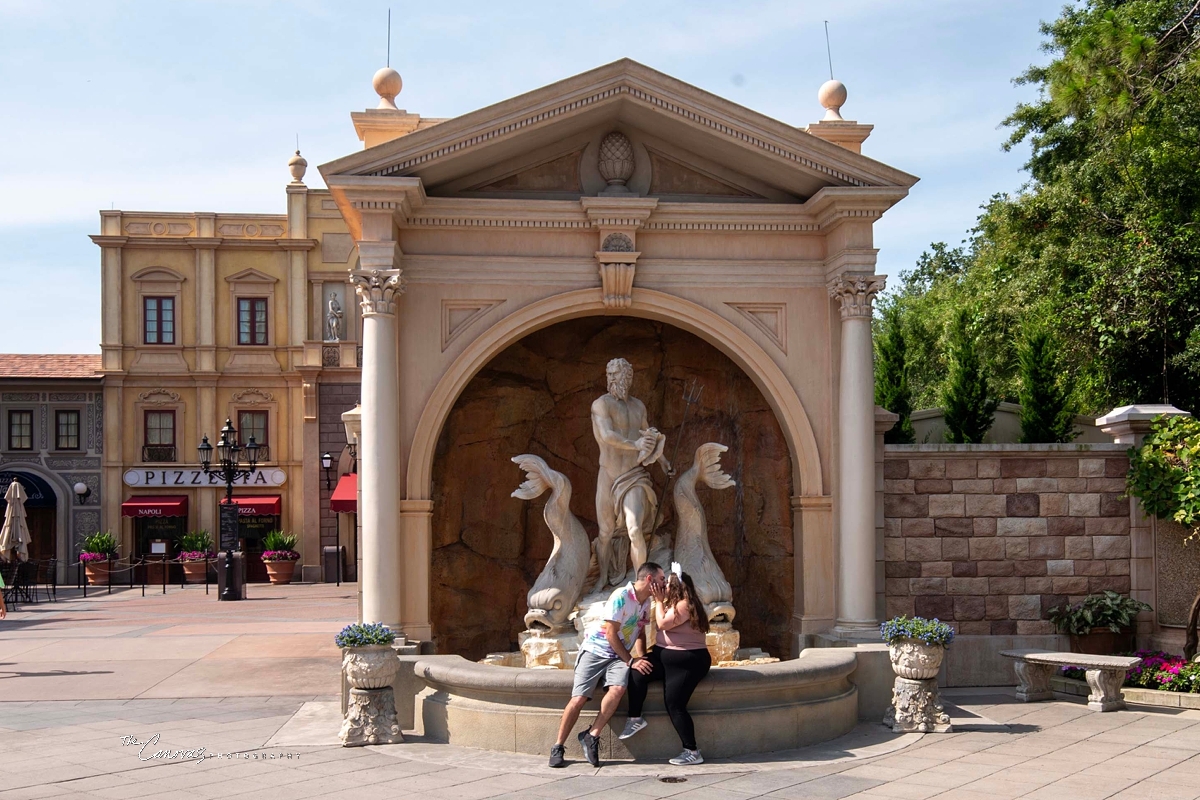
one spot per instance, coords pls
(616, 158)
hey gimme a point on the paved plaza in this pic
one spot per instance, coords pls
(87, 682)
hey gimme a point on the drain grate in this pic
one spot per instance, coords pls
(672, 779)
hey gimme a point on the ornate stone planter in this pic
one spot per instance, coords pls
(371, 714)
(916, 660)
(280, 572)
(916, 706)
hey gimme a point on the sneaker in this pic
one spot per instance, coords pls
(632, 726)
(558, 756)
(688, 758)
(591, 747)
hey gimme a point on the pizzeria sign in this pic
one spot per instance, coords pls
(196, 477)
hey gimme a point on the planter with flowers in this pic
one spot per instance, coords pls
(280, 556)
(96, 551)
(1101, 624)
(195, 551)
(370, 665)
(916, 647)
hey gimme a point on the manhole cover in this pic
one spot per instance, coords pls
(672, 779)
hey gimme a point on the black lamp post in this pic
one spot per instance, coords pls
(229, 454)
(327, 465)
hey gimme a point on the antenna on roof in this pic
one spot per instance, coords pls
(389, 39)
(828, 50)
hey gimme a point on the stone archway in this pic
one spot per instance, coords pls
(533, 396)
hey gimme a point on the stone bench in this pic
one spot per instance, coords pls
(1105, 675)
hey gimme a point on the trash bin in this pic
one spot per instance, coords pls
(239, 575)
(331, 558)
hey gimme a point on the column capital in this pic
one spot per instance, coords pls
(377, 290)
(856, 293)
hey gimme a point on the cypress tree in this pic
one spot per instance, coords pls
(891, 376)
(966, 403)
(1046, 413)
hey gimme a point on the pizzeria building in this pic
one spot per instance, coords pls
(241, 320)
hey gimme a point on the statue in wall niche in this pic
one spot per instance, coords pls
(692, 550)
(333, 320)
(626, 502)
(556, 591)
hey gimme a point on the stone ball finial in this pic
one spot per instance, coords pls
(387, 85)
(832, 96)
(297, 165)
(616, 159)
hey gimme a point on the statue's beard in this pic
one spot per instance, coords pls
(618, 386)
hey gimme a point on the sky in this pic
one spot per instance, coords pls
(196, 106)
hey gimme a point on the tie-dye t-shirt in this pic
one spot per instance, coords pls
(630, 616)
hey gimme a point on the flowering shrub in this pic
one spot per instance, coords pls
(194, 555)
(929, 631)
(279, 546)
(1158, 670)
(360, 635)
(98, 547)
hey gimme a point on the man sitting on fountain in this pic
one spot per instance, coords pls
(610, 647)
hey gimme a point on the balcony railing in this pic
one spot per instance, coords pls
(264, 453)
(157, 453)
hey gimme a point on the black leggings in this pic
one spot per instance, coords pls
(681, 672)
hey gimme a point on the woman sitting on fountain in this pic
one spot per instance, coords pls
(680, 659)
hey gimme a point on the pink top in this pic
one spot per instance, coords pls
(675, 629)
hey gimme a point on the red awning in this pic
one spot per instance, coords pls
(147, 506)
(258, 506)
(345, 495)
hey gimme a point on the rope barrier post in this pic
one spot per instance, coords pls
(164, 574)
(206, 574)
(143, 576)
(109, 573)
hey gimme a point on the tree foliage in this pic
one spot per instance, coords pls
(891, 376)
(1102, 245)
(1045, 394)
(967, 403)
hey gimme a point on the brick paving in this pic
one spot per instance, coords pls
(73, 748)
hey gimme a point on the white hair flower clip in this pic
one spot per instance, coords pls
(677, 570)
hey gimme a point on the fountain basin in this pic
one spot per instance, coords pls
(759, 708)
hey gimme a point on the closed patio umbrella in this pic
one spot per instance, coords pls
(14, 536)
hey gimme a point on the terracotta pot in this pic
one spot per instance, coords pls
(97, 572)
(193, 571)
(371, 667)
(1103, 642)
(916, 660)
(280, 572)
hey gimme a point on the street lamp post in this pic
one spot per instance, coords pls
(229, 467)
(327, 465)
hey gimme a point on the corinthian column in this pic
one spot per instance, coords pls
(378, 285)
(856, 456)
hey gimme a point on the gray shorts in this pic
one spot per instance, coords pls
(590, 668)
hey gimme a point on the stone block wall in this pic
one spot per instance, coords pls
(332, 400)
(992, 537)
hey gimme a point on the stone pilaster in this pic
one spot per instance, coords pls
(855, 502)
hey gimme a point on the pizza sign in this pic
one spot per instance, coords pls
(184, 478)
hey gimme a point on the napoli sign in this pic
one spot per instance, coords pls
(195, 477)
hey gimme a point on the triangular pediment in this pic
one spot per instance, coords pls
(251, 275)
(705, 146)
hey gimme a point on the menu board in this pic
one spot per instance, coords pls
(229, 526)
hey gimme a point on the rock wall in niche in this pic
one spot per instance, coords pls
(534, 397)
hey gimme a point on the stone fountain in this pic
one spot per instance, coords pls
(756, 704)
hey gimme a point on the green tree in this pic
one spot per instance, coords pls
(1046, 413)
(891, 375)
(967, 403)
(1102, 245)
